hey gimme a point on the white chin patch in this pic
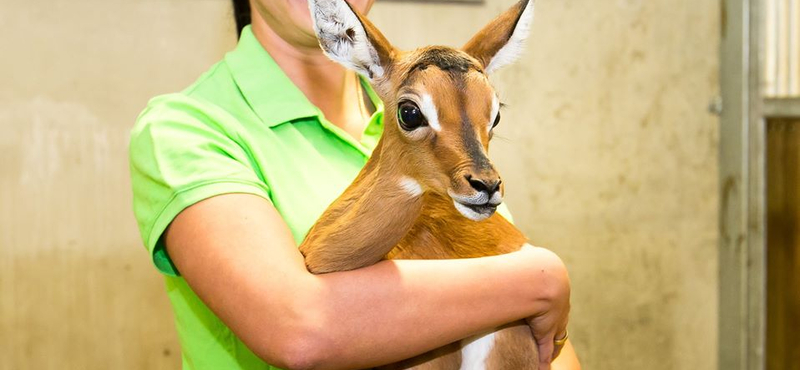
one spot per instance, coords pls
(469, 213)
(410, 186)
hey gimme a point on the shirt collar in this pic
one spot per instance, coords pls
(265, 87)
(276, 100)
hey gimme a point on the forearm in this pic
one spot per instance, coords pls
(391, 311)
(259, 287)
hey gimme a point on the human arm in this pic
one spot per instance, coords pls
(237, 254)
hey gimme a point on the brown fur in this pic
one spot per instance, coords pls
(512, 349)
(375, 218)
(441, 232)
(447, 357)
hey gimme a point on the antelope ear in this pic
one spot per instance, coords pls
(501, 41)
(350, 39)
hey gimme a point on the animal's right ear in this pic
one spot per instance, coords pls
(349, 38)
(501, 42)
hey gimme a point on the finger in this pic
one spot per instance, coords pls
(546, 348)
(561, 335)
(557, 351)
(557, 348)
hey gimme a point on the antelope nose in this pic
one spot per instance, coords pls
(488, 186)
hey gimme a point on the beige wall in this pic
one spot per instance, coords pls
(610, 159)
(607, 150)
(78, 291)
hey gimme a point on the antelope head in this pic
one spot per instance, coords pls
(440, 106)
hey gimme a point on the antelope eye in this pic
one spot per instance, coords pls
(496, 120)
(409, 116)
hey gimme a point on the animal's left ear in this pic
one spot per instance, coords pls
(501, 42)
(350, 39)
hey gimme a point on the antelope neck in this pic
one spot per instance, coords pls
(366, 221)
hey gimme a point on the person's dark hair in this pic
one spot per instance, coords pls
(241, 14)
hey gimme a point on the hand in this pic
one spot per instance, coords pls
(551, 324)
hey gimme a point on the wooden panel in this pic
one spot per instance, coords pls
(783, 245)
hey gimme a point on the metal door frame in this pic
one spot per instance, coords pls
(742, 179)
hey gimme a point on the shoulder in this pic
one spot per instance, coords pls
(207, 107)
(196, 102)
(171, 121)
(181, 128)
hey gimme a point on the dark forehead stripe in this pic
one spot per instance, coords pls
(471, 141)
(446, 59)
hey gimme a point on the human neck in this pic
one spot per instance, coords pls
(329, 86)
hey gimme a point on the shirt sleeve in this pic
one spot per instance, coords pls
(182, 152)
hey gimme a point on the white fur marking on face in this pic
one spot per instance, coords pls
(429, 110)
(514, 47)
(469, 213)
(495, 110)
(332, 20)
(411, 186)
(475, 353)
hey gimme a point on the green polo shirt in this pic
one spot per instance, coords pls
(243, 127)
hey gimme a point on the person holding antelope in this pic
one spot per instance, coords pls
(230, 176)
